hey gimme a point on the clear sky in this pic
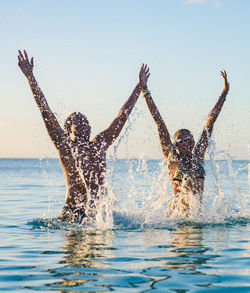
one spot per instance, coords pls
(87, 57)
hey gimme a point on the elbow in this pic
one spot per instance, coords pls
(123, 114)
(209, 129)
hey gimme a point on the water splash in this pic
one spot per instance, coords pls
(139, 192)
(224, 201)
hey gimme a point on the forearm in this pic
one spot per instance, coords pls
(48, 116)
(212, 116)
(114, 129)
(51, 123)
(153, 109)
(162, 128)
(202, 144)
(38, 94)
(129, 104)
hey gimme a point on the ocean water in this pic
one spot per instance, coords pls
(134, 246)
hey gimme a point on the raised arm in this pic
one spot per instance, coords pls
(110, 134)
(55, 131)
(201, 146)
(165, 140)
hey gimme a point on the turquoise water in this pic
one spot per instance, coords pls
(136, 250)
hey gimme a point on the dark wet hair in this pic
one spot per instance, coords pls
(181, 131)
(68, 122)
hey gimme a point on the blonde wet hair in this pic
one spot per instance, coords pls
(181, 132)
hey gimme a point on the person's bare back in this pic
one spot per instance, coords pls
(83, 160)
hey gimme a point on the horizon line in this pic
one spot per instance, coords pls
(119, 158)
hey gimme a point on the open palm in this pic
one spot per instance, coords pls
(25, 65)
(144, 75)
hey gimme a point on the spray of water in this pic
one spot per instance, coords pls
(138, 192)
(146, 201)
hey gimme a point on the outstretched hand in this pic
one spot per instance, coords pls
(25, 65)
(224, 75)
(144, 75)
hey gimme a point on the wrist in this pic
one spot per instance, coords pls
(140, 85)
(226, 88)
(30, 76)
(143, 87)
(146, 92)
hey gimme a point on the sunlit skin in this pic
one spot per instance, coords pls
(184, 150)
(83, 160)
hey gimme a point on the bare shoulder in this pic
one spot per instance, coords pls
(99, 142)
(173, 156)
(65, 148)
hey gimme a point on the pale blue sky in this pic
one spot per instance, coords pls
(88, 55)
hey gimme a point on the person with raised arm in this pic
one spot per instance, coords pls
(83, 160)
(184, 158)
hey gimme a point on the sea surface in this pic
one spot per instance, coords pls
(134, 246)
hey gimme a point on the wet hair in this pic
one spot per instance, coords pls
(68, 122)
(181, 132)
